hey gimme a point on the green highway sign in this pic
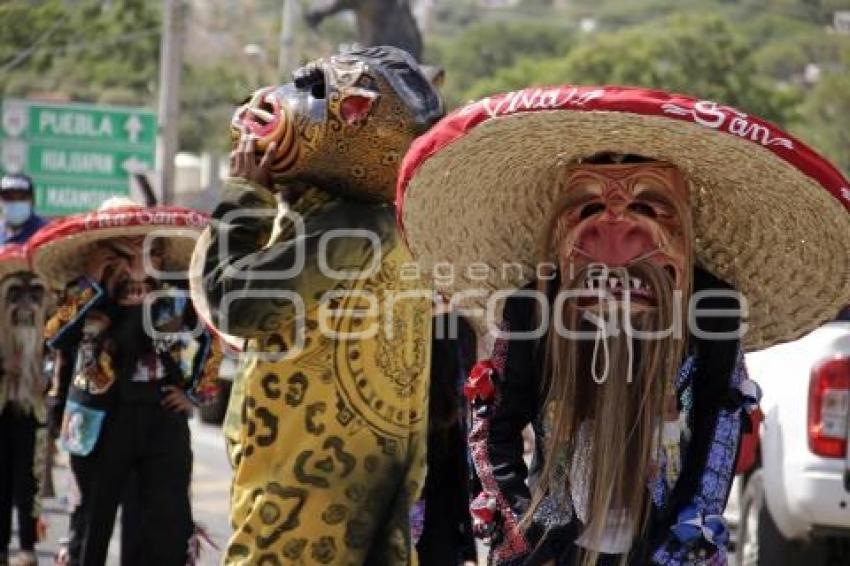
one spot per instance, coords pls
(116, 127)
(97, 165)
(71, 195)
(77, 154)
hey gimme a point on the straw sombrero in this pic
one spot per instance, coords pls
(770, 215)
(13, 259)
(59, 250)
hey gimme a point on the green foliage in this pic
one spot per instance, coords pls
(749, 53)
(108, 52)
(782, 47)
(89, 51)
(823, 119)
(618, 13)
(746, 53)
(455, 14)
(208, 98)
(331, 33)
(697, 55)
(818, 12)
(484, 49)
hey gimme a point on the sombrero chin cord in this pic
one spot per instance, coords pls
(601, 336)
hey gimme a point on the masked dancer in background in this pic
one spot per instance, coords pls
(24, 304)
(140, 363)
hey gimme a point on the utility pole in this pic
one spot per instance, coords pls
(285, 59)
(170, 67)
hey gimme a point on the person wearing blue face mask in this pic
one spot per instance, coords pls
(19, 219)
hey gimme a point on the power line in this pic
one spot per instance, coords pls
(125, 38)
(24, 54)
(70, 48)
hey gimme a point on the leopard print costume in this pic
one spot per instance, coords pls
(327, 425)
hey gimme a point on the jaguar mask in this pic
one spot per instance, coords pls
(344, 122)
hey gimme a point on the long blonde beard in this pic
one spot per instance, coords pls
(27, 344)
(623, 414)
(21, 351)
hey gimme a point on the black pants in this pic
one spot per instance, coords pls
(133, 551)
(153, 444)
(18, 483)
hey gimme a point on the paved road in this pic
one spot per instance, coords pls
(211, 487)
(210, 498)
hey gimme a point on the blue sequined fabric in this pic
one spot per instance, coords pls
(715, 483)
(659, 487)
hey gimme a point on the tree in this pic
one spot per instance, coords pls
(824, 120)
(816, 11)
(614, 15)
(455, 15)
(108, 52)
(208, 98)
(89, 51)
(698, 55)
(379, 22)
(484, 49)
(782, 47)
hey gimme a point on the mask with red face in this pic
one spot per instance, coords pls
(615, 218)
(129, 270)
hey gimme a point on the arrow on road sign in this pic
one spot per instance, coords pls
(133, 126)
(132, 165)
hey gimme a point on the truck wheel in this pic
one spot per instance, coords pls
(215, 411)
(759, 541)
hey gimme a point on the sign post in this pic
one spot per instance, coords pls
(78, 155)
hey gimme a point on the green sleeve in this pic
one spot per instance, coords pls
(253, 280)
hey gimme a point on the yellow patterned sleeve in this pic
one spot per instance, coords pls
(76, 298)
(205, 386)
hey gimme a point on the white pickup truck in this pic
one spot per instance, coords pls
(795, 501)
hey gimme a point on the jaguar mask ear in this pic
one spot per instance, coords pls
(435, 75)
(356, 106)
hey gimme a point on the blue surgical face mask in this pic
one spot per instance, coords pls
(17, 212)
